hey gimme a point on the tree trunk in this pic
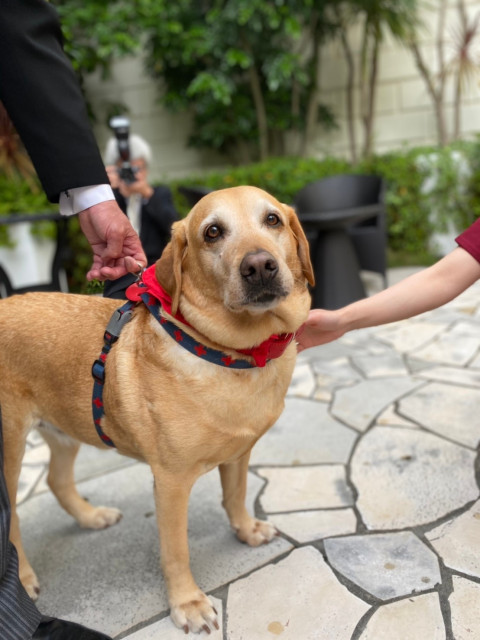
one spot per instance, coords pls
(260, 111)
(456, 105)
(370, 100)
(314, 98)
(458, 78)
(350, 94)
(436, 92)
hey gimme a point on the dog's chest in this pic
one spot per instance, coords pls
(245, 396)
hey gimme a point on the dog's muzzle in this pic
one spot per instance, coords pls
(259, 271)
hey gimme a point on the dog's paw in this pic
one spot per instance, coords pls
(196, 615)
(100, 518)
(256, 532)
(30, 584)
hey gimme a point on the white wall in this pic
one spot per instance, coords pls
(404, 111)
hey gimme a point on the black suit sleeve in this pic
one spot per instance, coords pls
(42, 96)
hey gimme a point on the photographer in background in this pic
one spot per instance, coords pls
(150, 209)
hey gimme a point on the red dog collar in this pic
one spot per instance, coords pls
(270, 349)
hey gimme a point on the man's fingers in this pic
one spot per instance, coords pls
(133, 265)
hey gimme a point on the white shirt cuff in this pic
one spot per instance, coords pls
(75, 200)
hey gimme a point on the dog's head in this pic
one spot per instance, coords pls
(239, 253)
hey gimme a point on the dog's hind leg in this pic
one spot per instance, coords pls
(234, 484)
(62, 483)
(16, 425)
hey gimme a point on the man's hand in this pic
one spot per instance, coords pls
(116, 247)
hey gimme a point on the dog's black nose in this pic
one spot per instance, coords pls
(259, 267)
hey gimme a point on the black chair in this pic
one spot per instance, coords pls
(193, 193)
(345, 220)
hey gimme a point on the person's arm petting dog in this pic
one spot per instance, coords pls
(423, 291)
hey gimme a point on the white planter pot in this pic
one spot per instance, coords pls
(30, 261)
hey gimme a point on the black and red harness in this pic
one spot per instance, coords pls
(149, 292)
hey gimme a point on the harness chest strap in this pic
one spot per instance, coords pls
(118, 320)
(267, 351)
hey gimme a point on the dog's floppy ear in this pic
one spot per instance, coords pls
(302, 245)
(168, 269)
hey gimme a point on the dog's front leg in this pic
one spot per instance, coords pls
(234, 484)
(190, 608)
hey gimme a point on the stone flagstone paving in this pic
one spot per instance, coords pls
(371, 476)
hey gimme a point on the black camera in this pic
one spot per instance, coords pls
(121, 129)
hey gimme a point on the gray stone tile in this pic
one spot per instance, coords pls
(307, 526)
(465, 605)
(332, 374)
(416, 366)
(386, 565)
(385, 364)
(41, 486)
(363, 341)
(357, 406)
(330, 351)
(34, 438)
(447, 410)
(454, 347)
(475, 363)
(452, 375)
(89, 576)
(30, 476)
(418, 618)
(36, 455)
(451, 313)
(305, 433)
(91, 462)
(409, 335)
(468, 300)
(407, 477)
(458, 541)
(301, 488)
(391, 418)
(303, 381)
(372, 282)
(299, 598)
(165, 629)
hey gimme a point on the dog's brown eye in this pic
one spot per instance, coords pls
(213, 232)
(272, 220)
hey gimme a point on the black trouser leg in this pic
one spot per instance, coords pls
(19, 617)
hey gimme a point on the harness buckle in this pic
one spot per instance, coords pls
(98, 371)
(116, 323)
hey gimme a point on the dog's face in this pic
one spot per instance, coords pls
(238, 249)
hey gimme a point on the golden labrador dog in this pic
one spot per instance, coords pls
(233, 283)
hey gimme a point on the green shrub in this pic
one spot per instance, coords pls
(282, 177)
(408, 222)
(17, 196)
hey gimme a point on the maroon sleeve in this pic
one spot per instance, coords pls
(470, 240)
